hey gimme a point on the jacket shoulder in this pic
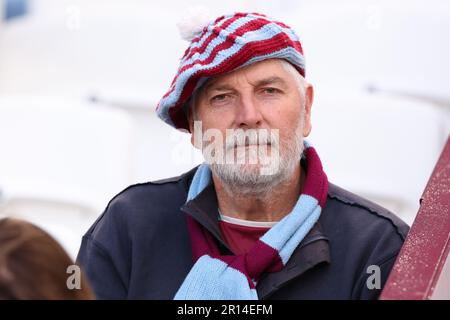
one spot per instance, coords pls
(145, 201)
(160, 188)
(375, 212)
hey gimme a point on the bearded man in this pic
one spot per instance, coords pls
(258, 219)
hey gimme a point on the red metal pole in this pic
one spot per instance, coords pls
(422, 268)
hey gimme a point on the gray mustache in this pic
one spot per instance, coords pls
(259, 138)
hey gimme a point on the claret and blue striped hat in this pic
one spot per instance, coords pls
(223, 45)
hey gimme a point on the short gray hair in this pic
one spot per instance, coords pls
(298, 78)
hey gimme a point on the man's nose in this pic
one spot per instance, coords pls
(248, 114)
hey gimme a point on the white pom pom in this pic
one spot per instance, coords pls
(193, 22)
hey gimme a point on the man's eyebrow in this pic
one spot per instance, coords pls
(259, 83)
(219, 87)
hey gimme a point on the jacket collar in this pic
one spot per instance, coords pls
(204, 209)
(313, 250)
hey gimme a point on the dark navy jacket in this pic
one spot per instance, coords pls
(139, 248)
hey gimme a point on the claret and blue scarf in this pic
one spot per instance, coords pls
(220, 277)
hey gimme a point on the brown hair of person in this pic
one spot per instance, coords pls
(33, 265)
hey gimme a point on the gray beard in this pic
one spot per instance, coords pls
(247, 180)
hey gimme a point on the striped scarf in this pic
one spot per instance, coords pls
(221, 277)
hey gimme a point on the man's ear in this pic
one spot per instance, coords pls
(190, 117)
(309, 98)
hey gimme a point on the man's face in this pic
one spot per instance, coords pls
(263, 95)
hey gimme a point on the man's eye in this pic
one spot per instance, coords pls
(219, 98)
(271, 90)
